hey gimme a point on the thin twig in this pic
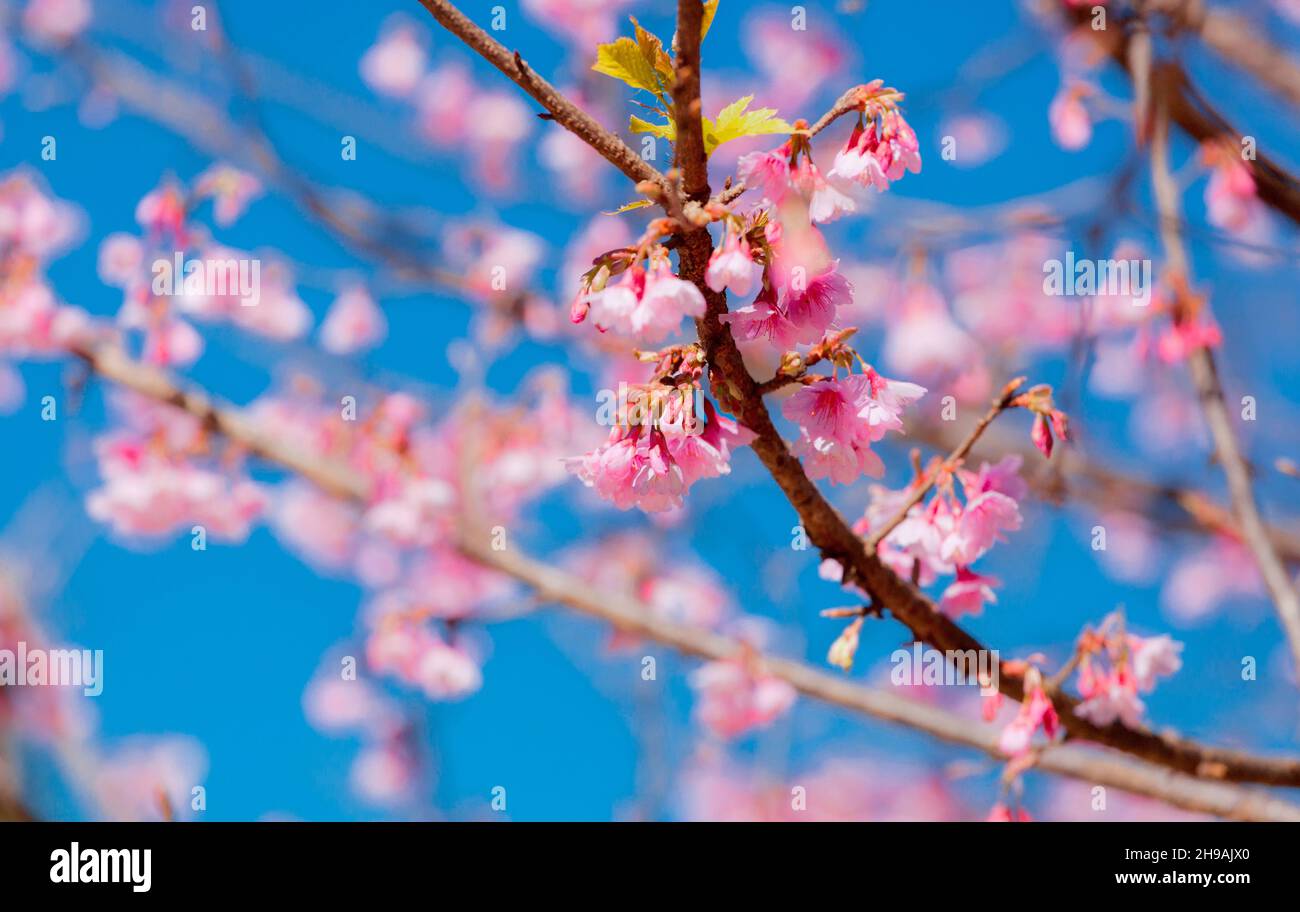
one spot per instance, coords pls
(1209, 388)
(959, 452)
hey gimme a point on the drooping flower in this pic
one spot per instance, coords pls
(395, 63)
(354, 322)
(647, 304)
(735, 697)
(1069, 118)
(878, 153)
(732, 267)
(1036, 711)
(968, 594)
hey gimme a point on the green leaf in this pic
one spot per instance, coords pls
(735, 121)
(628, 207)
(710, 10)
(624, 61)
(666, 131)
(652, 49)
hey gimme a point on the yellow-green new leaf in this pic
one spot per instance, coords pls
(735, 121)
(710, 10)
(652, 49)
(666, 131)
(624, 61)
(628, 207)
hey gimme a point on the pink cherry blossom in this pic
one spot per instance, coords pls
(394, 64)
(732, 267)
(1071, 123)
(968, 594)
(647, 305)
(121, 259)
(148, 495)
(879, 153)
(354, 322)
(979, 526)
(1035, 712)
(734, 698)
(231, 190)
(767, 172)
(419, 657)
(384, 772)
(336, 705)
(56, 22)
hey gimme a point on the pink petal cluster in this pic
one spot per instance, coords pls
(839, 419)
(777, 178)
(1069, 118)
(1116, 666)
(652, 468)
(735, 698)
(56, 22)
(732, 267)
(150, 494)
(879, 153)
(1036, 711)
(802, 313)
(415, 654)
(354, 323)
(395, 63)
(231, 190)
(647, 305)
(1232, 200)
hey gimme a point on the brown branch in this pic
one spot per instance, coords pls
(691, 159)
(1190, 110)
(565, 112)
(1236, 41)
(627, 614)
(1209, 389)
(739, 393)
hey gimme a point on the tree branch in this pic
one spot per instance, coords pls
(632, 616)
(565, 112)
(1209, 389)
(999, 406)
(691, 158)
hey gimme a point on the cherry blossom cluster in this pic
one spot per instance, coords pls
(161, 475)
(879, 151)
(966, 516)
(647, 302)
(651, 464)
(387, 769)
(34, 229)
(840, 417)
(157, 296)
(1115, 666)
